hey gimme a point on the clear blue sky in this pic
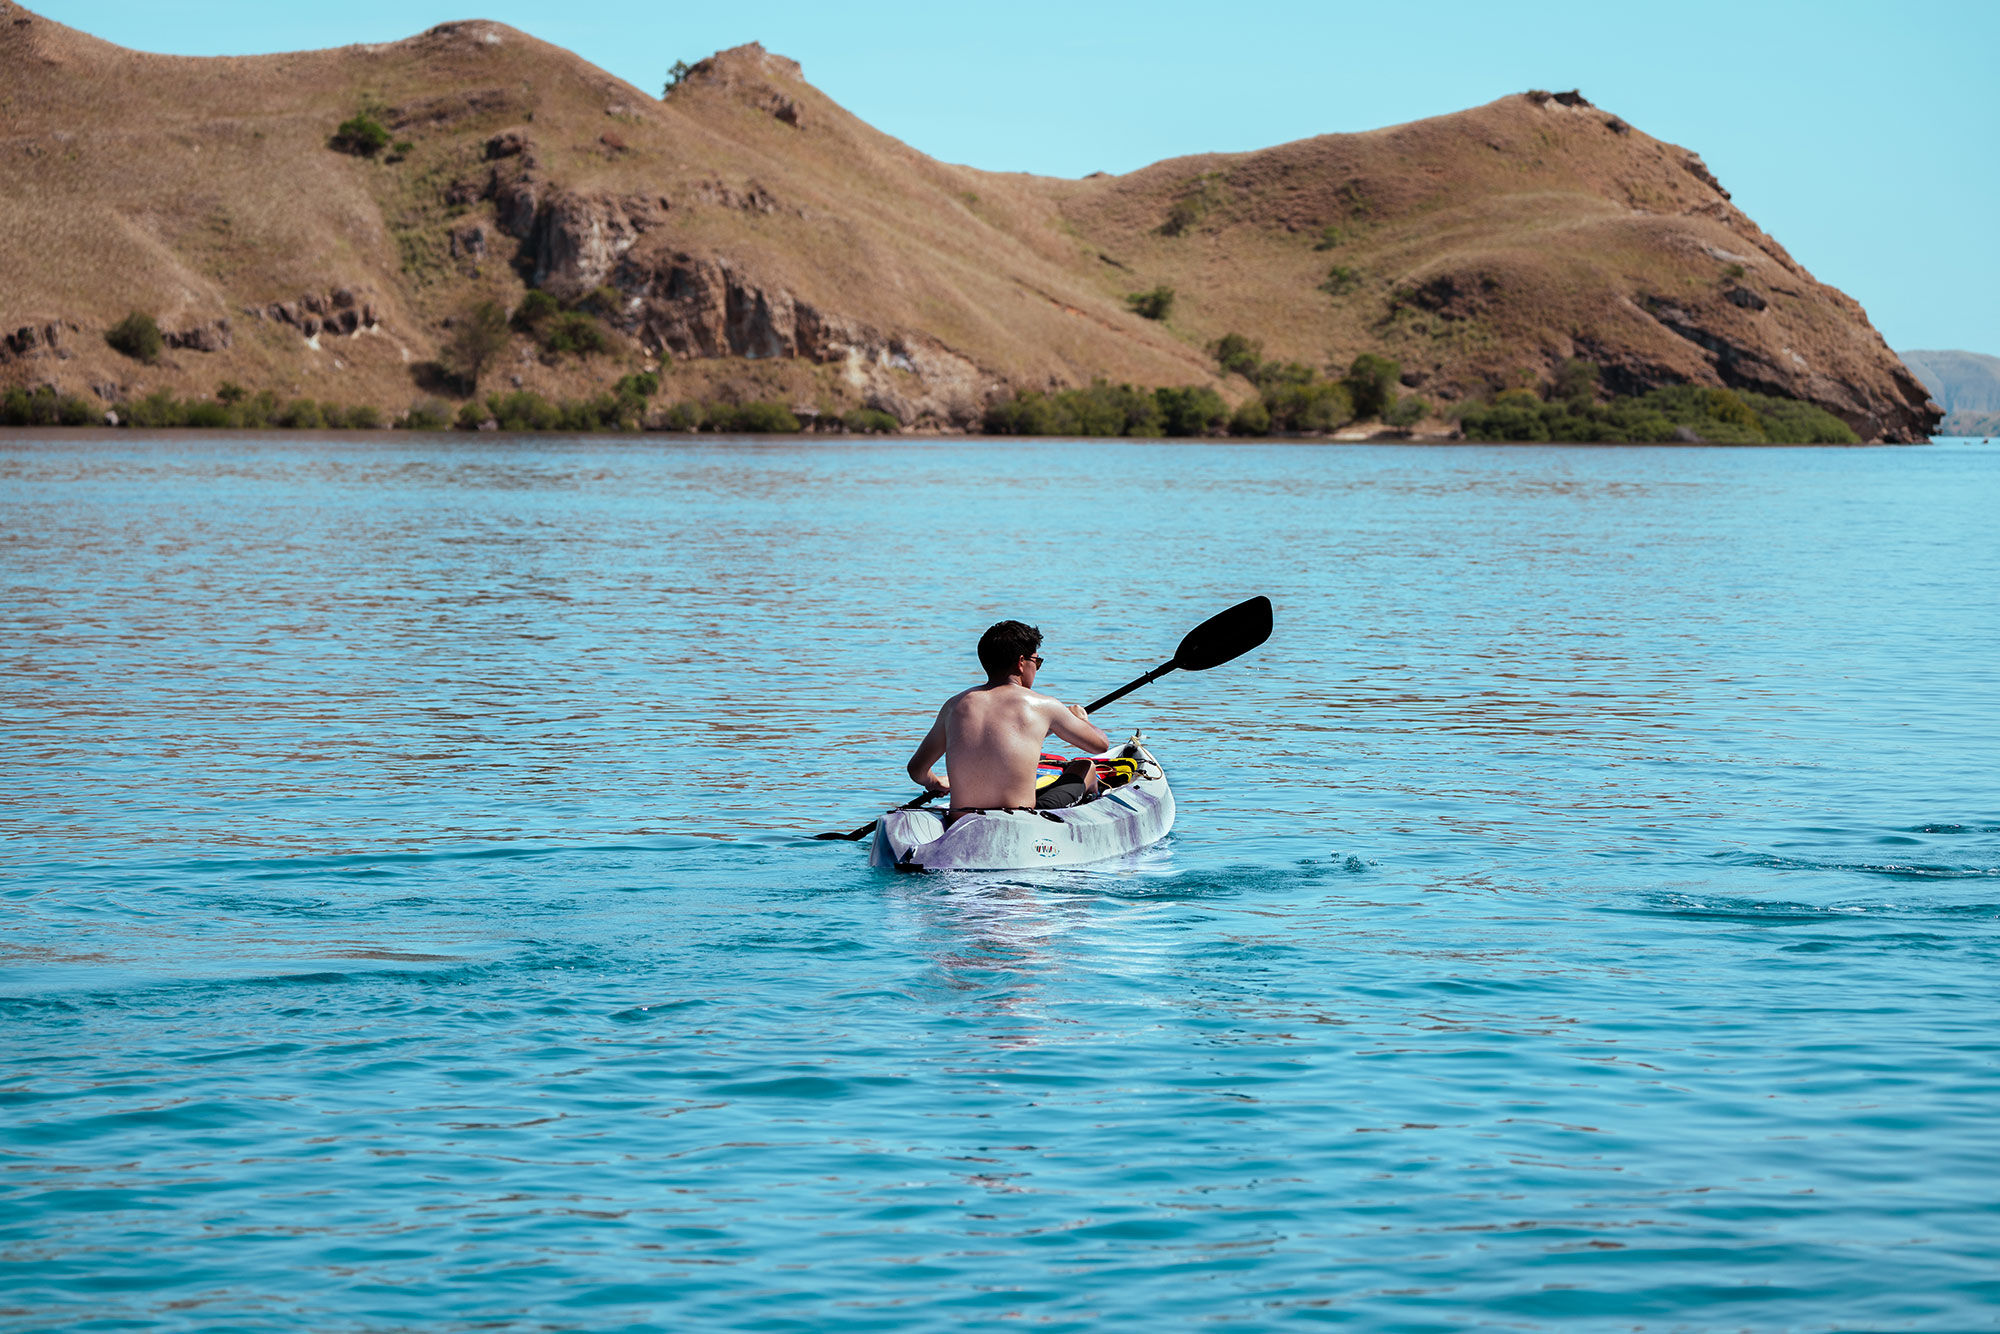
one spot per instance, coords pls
(1864, 137)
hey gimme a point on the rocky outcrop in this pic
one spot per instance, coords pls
(48, 338)
(506, 144)
(210, 337)
(468, 241)
(578, 239)
(716, 193)
(696, 307)
(703, 306)
(341, 310)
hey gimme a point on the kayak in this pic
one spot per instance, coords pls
(1117, 821)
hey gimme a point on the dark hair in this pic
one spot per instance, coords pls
(1003, 646)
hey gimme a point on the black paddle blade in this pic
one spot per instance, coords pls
(1225, 635)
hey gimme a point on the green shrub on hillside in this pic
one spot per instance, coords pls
(1237, 355)
(1154, 305)
(1340, 280)
(1104, 409)
(1789, 421)
(1405, 413)
(46, 407)
(1295, 399)
(1252, 418)
(1371, 380)
(524, 410)
(361, 134)
(478, 337)
(749, 419)
(1273, 373)
(301, 414)
(256, 411)
(871, 421)
(639, 385)
(232, 407)
(157, 411)
(1184, 214)
(427, 414)
(1194, 410)
(1576, 379)
(138, 337)
(1676, 412)
(1329, 238)
(1312, 408)
(535, 308)
(681, 417)
(556, 330)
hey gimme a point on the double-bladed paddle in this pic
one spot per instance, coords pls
(1221, 638)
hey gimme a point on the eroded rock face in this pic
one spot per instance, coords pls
(1733, 345)
(45, 338)
(1765, 329)
(343, 310)
(210, 337)
(704, 306)
(579, 239)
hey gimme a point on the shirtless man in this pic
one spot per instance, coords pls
(994, 734)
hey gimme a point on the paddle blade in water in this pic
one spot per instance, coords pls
(1225, 635)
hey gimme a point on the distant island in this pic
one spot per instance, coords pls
(1965, 384)
(472, 227)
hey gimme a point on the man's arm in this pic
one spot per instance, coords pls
(1073, 725)
(929, 751)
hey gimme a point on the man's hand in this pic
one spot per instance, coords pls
(937, 787)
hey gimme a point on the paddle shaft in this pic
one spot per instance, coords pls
(1122, 691)
(927, 798)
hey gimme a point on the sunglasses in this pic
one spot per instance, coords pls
(1035, 658)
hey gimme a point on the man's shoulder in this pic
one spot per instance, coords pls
(970, 695)
(989, 695)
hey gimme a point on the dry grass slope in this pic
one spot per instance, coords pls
(775, 246)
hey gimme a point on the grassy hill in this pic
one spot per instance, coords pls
(772, 246)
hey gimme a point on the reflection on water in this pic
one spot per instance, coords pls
(1582, 912)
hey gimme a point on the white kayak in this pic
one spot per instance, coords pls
(1117, 821)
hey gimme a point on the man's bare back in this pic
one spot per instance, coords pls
(994, 734)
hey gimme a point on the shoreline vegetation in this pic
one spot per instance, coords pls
(1288, 400)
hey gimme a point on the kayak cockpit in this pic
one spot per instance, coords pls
(1118, 820)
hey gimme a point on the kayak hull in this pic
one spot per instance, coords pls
(1121, 821)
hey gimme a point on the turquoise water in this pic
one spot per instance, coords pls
(1583, 914)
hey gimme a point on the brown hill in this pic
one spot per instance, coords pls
(778, 247)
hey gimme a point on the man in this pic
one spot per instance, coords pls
(994, 733)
